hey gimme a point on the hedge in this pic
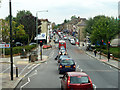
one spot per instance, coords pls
(113, 50)
(18, 49)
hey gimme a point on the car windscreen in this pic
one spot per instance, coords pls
(63, 56)
(79, 80)
(67, 62)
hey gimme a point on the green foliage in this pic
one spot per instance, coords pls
(102, 28)
(18, 49)
(66, 21)
(25, 18)
(73, 17)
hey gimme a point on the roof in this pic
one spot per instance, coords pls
(82, 24)
(77, 74)
(61, 41)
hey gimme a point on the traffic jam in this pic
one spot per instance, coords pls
(71, 79)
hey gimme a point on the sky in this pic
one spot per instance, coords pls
(59, 10)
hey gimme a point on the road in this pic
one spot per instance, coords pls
(46, 75)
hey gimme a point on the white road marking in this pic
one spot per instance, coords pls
(45, 62)
(8, 68)
(78, 66)
(51, 54)
(103, 63)
(28, 80)
(23, 70)
(81, 70)
(5, 70)
(31, 66)
(110, 66)
(25, 84)
(94, 87)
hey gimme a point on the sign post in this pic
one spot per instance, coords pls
(41, 43)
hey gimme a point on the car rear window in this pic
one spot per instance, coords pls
(78, 79)
(63, 56)
(66, 62)
(61, 43)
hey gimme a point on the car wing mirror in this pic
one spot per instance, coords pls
(61, 77)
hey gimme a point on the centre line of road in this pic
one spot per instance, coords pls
(51, 54)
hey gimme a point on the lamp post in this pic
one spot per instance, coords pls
(11, 54)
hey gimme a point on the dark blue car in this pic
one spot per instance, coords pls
(66, 65)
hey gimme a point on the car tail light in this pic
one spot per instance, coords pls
(68, 82)
(60, 66)
(74, 66)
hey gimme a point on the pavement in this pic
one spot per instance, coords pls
(24, 68)
(112, 62)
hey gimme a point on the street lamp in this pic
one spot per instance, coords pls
(11, 54)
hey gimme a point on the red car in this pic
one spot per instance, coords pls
(47, 46)
(77, 81)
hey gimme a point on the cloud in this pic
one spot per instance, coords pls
(58, 10)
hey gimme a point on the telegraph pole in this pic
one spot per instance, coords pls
(11, 55)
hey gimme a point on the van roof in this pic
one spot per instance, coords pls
(61, 41)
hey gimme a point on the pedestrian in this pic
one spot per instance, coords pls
(95, 52)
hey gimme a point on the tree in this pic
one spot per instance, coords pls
(5, 31)
(73, 17)
(28, 20)
(102, 28)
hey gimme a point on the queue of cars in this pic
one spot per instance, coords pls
(71, 79)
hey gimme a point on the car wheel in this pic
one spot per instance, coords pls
(61, 87)
(59, 72)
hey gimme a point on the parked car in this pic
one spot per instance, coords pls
(69, 38)
(47, 46)
(18, 44)
(56, 40)
(76, 81)
(77, 42)
(32, 43)
(66, 65)
(72, 41)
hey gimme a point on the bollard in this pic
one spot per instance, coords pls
(16, 71)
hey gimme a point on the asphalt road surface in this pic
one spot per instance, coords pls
(46, 75)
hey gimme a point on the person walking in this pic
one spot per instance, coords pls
(95, 52)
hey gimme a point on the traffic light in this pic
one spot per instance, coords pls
(39, 26)
(41, 43)
(109, 44)
(102, 42)
(39, 30)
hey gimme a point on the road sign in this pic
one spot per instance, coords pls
(4, 45)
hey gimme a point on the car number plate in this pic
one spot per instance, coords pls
(67, 66)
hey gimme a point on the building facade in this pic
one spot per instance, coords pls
(118, 8)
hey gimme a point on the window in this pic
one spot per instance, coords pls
(79, 79)
(66, 62)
